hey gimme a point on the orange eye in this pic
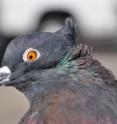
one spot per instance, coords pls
(31, 55)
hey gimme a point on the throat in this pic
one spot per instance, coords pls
(31, 92)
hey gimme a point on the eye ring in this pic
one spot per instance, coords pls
(31, 55)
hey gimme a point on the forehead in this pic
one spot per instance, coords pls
(32, 39)
(37, 39)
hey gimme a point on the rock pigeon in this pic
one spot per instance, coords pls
(62, 80)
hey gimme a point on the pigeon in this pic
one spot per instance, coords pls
(63, 81)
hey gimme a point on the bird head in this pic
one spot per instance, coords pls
(36, 51)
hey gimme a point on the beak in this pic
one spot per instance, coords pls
(5, 73)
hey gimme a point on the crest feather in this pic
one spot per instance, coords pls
(80, 51)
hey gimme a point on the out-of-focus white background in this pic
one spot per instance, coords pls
(97, 22)
(94, 16)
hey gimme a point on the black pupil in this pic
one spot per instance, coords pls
(31, 57)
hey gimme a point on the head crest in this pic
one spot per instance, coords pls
(69, 29)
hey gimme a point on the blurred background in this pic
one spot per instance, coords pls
(97, 26)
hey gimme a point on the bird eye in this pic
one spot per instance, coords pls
(31, 55)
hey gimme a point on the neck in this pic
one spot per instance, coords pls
(35, 92)
(31, 92)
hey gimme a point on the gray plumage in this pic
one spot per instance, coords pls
(64, 86)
